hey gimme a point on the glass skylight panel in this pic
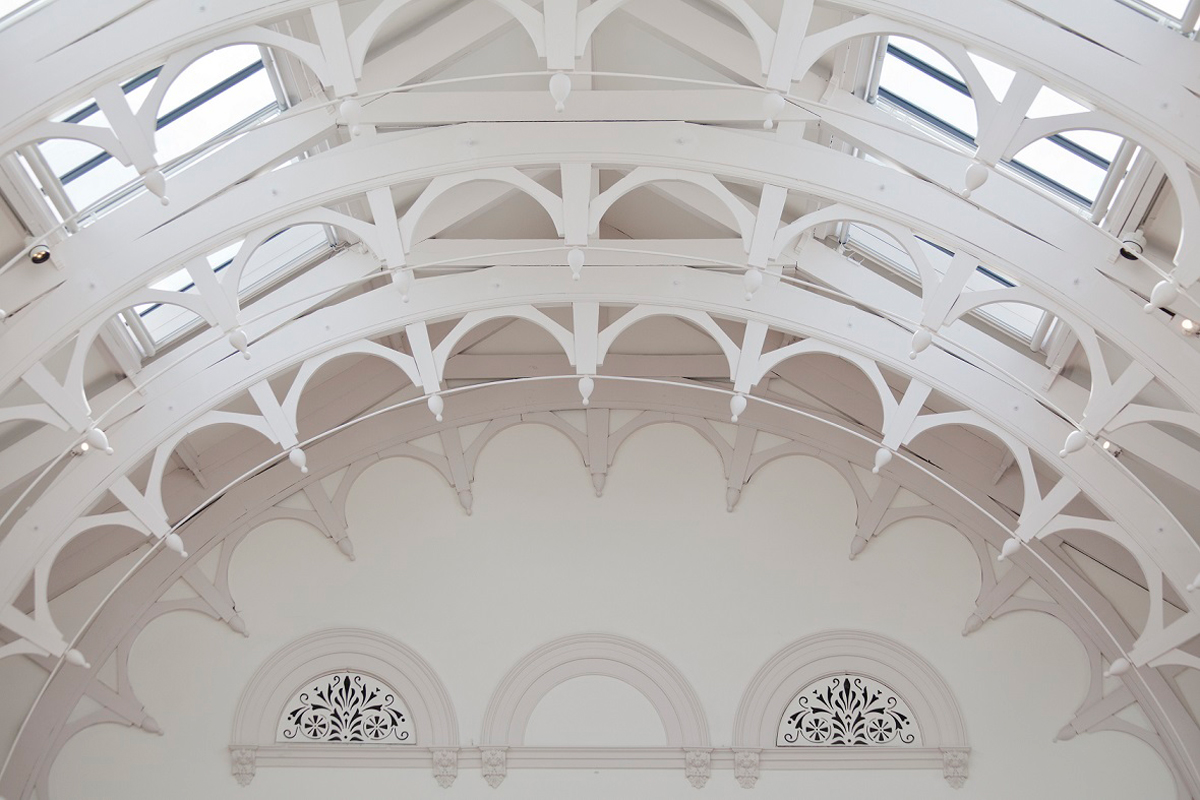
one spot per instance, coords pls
(997, 78)
(1079, 177)
(214, 95)
(222, 112)
(1015, 318)
(1049, 103)
(98, 182)
(274, 258)
(206, 72)
(1100, 143)
(922, 82)
(1172, 8)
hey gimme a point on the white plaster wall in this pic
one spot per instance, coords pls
(656, 559)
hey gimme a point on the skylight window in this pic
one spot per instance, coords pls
(1177, 13)
(274, 259)
(218, 93)
(1017, 319)
(918, 81)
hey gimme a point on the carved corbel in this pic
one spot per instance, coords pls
(243, 764)
(494, 765)
(745, 768)
(954, 765)
(697, 767)
(445, 767)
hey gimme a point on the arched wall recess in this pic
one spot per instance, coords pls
(943, 736)
(265, 701)
(678, 707)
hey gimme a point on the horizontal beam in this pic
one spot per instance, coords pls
(420, 109)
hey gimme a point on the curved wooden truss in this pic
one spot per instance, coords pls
(387, 169)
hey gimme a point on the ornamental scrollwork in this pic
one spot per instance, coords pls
(346, 707)
(846, 710)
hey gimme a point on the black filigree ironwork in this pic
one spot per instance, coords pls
(846, 710)
(346, 707)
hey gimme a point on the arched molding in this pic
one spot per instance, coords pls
(943, 731)
(705, 289)
(547, 199)
(309, 54)
(590, 18)
(868, 367)
(231, 281)
(853, 178)
(646, 175)
(701, 426)
(1054, 51)
(794, 449)
(532, 678)
(341, 649)
(291, 401)
(818, 44)
(497, 426)
(94, 135)
(473, 319)
(608, 336)
(860, 652)
(237, 513)
(838, 212)
(1135, 337)
(970, 419)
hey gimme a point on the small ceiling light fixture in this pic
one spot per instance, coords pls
(1190, 326)
(1133, 245)
(39, 254)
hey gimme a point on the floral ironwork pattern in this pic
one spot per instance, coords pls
(846, 710)
(346, 707)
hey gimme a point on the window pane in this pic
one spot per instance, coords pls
(997, 78)
(64, 155)
(98, 182)
(926, 53)
(216, 116)
(1102, 144)
(280, 251)
(1173, 7)
(1015, 317)
(928, 94)
(206, 72)
(1050, 103)
(1062, 167)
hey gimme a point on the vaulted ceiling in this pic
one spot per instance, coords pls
(946, 241)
